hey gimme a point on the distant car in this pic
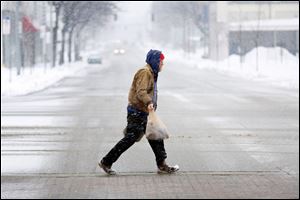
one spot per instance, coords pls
(94, 59)
(119, 51)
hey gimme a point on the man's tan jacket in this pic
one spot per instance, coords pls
(142, 89)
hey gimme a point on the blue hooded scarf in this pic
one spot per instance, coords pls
(153, 59)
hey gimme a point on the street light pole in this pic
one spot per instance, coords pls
(51, 34)
(17, 38)
(44, 36)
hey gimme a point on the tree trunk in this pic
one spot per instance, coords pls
(70, 44)
(55, 29)
(62, 52)
(77, 49)
(77, 45)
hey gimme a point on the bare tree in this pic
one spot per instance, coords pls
(80, 14)
(85, 14)
(182, 14)
(68, 14)
(58, 5)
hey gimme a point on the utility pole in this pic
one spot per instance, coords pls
(240, 51)
(35, 40)
(51, 33)
(7, 42)
(44, 35)
(17, 38)
(257, 36)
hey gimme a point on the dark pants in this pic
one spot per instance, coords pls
(136, 126)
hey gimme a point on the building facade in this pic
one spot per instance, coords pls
(236, 27)
(29, 39)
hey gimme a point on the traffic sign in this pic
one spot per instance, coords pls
(6, 25)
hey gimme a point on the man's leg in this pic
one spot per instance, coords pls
(159, 150)
(127, 141)
(135, 127)
(161, 155)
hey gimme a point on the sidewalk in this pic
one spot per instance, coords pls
(151, 185)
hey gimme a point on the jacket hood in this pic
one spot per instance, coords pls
(153, 59)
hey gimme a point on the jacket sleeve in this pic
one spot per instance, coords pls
(142, 87)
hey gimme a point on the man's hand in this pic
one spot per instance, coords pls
(150, 107)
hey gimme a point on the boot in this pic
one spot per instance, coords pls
(166, 169)
(106, 168)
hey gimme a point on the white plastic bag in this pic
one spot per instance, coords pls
(156, 129)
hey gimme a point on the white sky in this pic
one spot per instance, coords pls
(132, 24)
(134, 11)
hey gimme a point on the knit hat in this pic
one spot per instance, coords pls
(161, 57)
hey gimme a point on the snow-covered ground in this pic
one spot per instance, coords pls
(35, 79)
(272, 65)
(40, 77)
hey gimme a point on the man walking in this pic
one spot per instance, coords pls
(142, 99)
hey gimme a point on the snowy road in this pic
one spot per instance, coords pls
(218, 123)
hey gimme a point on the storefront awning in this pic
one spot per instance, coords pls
(28, 27)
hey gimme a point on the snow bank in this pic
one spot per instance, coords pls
(35, 79)
(272, 65)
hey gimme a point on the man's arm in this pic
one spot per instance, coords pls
(142, 87)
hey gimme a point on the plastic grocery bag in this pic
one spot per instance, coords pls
(156, 129)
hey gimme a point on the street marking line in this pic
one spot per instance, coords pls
(178, 96)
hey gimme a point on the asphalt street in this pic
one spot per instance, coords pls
(231, 137)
